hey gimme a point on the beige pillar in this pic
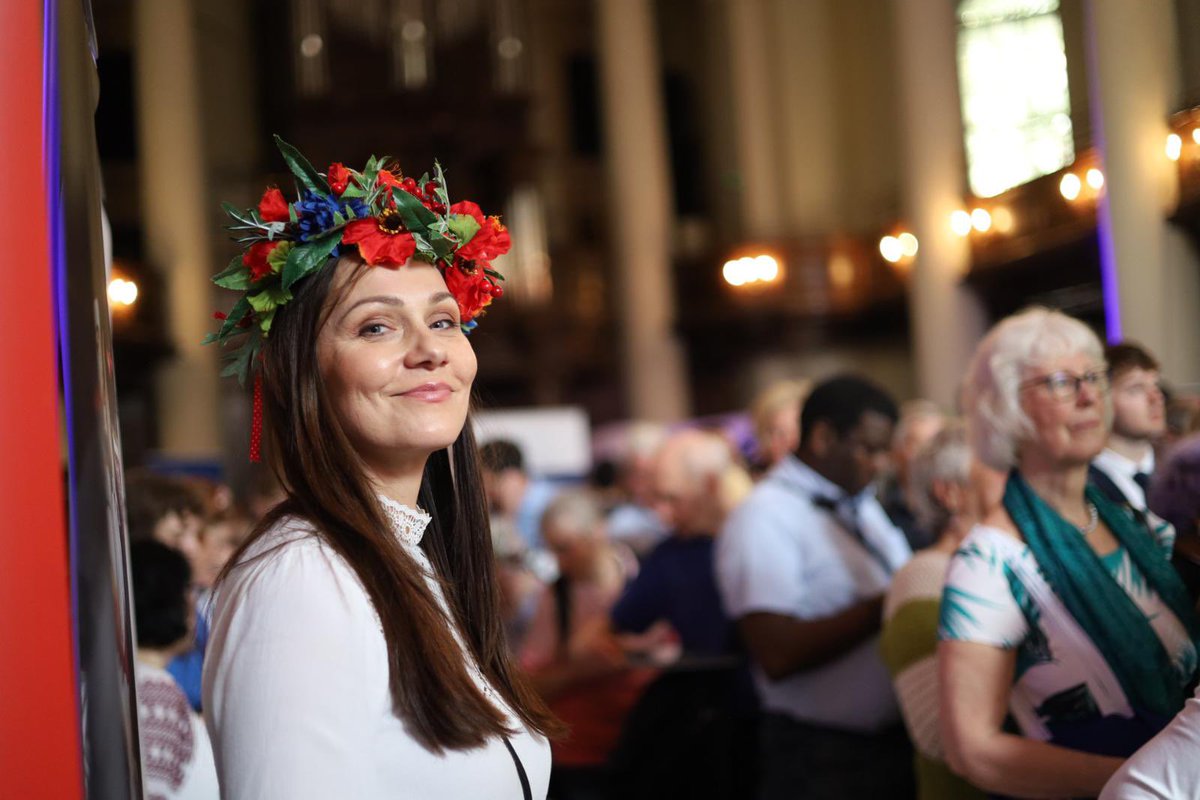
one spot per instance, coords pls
(945, 317)
(640, 213)
(175, 219)
(1152, 278)
(805, 115)
(755, 122)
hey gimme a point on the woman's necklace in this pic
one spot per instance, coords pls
(1093, 520)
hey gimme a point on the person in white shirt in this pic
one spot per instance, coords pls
(802, 566)
(356, 646)
(1124, 468)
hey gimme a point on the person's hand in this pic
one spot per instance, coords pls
(595, 652)
(659, 646)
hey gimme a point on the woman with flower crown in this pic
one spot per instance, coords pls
(357, 649)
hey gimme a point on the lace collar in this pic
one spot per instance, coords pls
(407, 523)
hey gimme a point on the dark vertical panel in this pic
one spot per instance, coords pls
(95, 489)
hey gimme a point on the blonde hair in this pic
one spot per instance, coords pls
(773, 399)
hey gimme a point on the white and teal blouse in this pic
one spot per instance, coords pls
(996, 595)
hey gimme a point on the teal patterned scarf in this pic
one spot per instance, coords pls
(1102, 608)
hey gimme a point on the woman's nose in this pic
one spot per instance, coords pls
(426, 351)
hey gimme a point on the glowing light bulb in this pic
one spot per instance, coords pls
(122, 292)
(981, 220)
(1070, 186)
(1196, 135)
(1095, 179)
(766, 268)
(1174, 146)
(732, 272)
(1002, 219)
(908, 244)
(960, 222)
(891, 249)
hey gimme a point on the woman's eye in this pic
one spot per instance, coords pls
(374, 329)
(443, 324)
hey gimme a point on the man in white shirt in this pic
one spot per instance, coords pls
(1122, 471)
(803, 566)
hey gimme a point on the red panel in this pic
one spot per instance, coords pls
(39, 723)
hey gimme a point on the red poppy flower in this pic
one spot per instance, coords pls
(255, 258)
(490, 241)
(379, 241)
(473, 291)
(273, 207)
(339, 177)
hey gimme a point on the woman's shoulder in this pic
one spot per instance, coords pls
(922, 578)
(289, 558)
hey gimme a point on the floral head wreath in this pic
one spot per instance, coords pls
(389, 217)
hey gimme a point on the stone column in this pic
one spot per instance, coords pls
(755, 121)
(1150, 273)
(175, 220)
(946, 319)
(640, 212)
(805, 116)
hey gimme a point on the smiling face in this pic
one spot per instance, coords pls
(1066, 432)
(396, 367)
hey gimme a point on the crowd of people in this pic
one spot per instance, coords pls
(901, 602)
(871, 601)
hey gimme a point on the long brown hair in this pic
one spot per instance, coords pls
(326, 483)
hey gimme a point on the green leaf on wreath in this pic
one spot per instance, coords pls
(239, 311)
(278, 256)
(265, 320)
(304, 258)
(235, 268)
(269, 299)
(416, 217)
(309, 178)
(464, 227)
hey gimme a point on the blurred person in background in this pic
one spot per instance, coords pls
(631, 520)
(357, 648)
(585, 678)
(677, 582)
(775, 413)
(1123, 469)
(1067, 640)
(520, 587)
(803, 565)
(176, 752)
(920, 421)
(168, 510)
(692, 732)
(165, 509)
(1175, 496)
(950, 492)
(513, 493)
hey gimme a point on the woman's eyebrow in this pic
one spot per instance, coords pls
(386, 299)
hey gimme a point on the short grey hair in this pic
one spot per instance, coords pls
(578, 510)
(997, 424)
(946, 457)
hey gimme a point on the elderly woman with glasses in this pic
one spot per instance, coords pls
(1067, 641)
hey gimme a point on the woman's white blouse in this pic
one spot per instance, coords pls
(296, 686)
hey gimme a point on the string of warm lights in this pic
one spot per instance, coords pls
(751, 270)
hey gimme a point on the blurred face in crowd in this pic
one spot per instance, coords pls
(575, 547)
(918, 432)
(688, 503)
(1066, 400)
(395, 364)
(855, 460)
(782, 434)
(218, 544)
(181, 532)
(1139, 408)
(505, 489)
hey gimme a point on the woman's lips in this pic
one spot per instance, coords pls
(429, 392)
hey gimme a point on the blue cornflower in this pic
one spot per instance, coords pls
(314, 213)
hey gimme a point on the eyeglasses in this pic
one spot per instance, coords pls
(1064, 386)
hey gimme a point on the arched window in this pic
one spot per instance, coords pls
(1012, 78)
